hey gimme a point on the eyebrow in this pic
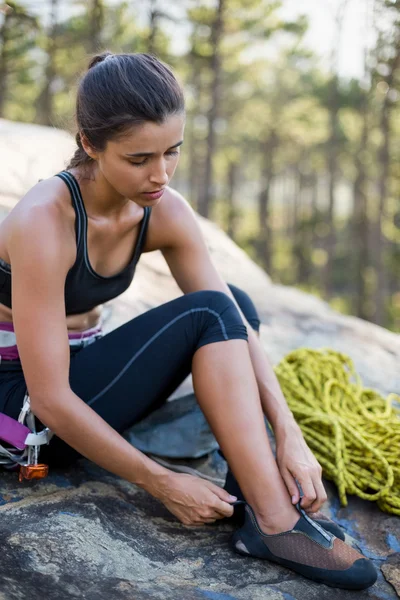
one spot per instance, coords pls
(152, 153)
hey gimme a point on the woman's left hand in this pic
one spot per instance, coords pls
(297, 462)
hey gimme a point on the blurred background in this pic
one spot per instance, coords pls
(293, 118)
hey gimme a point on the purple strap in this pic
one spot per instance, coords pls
(12, 432)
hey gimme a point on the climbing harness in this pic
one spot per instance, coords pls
(22, 444)
(353, 431)
(22, 441)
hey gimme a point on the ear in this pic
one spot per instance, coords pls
(87, 147)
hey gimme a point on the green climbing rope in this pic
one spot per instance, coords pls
(353, 431)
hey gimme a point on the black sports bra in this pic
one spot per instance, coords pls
(84, 288)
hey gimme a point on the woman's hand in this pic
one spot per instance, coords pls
(297, 463)
(194, 501)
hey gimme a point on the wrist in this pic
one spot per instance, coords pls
(285, 426)
(157, 480)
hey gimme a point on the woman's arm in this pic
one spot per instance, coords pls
(189, 260)
(41, 254)
(40, 259)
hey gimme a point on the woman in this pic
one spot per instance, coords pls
(72, 243)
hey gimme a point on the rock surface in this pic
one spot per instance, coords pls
(391, 570)
(83, 533)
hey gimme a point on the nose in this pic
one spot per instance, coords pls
(159, 173)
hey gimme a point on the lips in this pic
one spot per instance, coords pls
(154, 195)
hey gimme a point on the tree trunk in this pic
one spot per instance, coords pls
(360, 239)
(333, 150)
(206, 196)
(301, 232)
(332, 166)
(193, 142)
(290, 199)
(297, 200)
(287, 199)
(153, 27)
(264, 242)
(379, 315)
(193, 161)
(314, 208)
(44, 113)
(96, 25)
(231, 208)
(3, 60)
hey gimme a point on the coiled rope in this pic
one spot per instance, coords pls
(353, 431)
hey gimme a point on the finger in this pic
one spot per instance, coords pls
(321, 494)
(219, 516)
(222, 494)
(223, 508)
(210, 521)
(200, 523)
(309, 493)
(291, 485)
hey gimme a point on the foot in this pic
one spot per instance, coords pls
(309, 550)
(282, 521)
(329, 525)
(238, 516)
(238, 519)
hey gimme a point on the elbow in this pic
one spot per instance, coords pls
(40, 407)
(44, 406)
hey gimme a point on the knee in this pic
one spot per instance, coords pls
(216, 316)
(246, 306)
(216, 302)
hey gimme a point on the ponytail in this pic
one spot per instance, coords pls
(118, 92)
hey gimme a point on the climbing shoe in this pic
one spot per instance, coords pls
(307, 549)
(232, 487)
(238, 519)
(328, 525)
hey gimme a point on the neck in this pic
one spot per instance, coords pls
(99, 197)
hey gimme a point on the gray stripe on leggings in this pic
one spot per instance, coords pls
(151, 340)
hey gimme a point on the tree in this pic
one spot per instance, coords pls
(45, 103)
(18, 32)
(387, 62)
(333, 104)
(96, 21)
(217, 30)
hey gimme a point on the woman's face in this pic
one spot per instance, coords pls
(144, 160)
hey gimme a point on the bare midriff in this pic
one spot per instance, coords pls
(75, 323)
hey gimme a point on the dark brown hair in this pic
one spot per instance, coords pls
(119, 91)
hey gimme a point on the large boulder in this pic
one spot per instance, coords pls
(84, 533)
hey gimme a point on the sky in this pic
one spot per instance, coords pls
(355, 32)
(321, 37)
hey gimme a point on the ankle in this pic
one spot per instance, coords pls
(272, 524)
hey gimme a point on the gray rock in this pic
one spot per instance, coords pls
(391, 571)
(178, 430)
(84, 533)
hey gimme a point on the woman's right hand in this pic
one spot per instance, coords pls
(195, 501)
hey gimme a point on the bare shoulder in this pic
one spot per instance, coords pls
(45, 212)
(171, 221)
(49, 195)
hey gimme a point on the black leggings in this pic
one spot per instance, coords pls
(131, 371)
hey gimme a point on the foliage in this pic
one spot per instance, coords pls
(301, 157)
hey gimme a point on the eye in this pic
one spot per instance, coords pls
(139, 164)
(145, 160)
